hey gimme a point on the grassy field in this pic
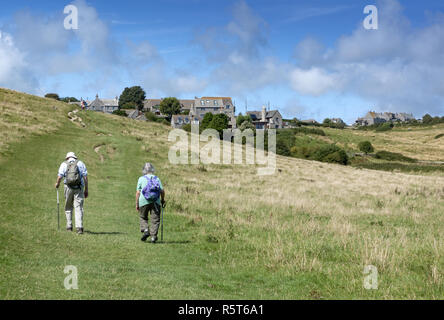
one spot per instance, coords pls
(304, 233)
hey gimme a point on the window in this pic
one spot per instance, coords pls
(227, 106)
(208, 101)
(202, 103)
(215, 102)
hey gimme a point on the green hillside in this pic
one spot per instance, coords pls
(306, 232)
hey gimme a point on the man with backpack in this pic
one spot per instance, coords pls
(150, 196)
(76, 189)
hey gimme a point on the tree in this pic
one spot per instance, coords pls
(240, 119)
(69, 99)
(219, 122)
(366, 147)
(133, 96)
(120, 113)
(170, 106)
(52, 96)
(206, 121)
(247, 125)
(426, 119)
(326, 121)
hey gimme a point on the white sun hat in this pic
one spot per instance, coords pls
(71, 155)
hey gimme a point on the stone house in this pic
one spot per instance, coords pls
(103, 105)
(153, 105)
(214, 105)
(373, 117)
(179, 120)
(266, 119)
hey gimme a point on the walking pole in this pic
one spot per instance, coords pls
(161, 225)
(58, 211)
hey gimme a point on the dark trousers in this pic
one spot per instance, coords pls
(154, 209)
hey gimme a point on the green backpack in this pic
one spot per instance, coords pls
(73, 178)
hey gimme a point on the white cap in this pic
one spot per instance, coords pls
(71, 155)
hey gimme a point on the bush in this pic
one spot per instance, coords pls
(331, 153)
(326, 153)
(304, 130)
(282, 148)
(386, 126)
(187, 127)
(128, 105)
(392, 156)
(54, 96)
(120, 113)
(219, 123)
(439, 136)
(150, 116)
(241, 119)
(366, 147)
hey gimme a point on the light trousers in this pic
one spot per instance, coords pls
(74, 199)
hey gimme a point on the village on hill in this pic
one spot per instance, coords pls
(192, 111)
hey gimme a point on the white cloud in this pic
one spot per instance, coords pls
(395, 67)
(13, 66)
(313, 81)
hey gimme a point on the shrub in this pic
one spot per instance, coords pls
(339, 156)
(366, 147)
(392, 156)
(128, 105)
(119, 113)
(282, 148)
(187, 127)
(386, 126)
(304, 130)
(331, 153)
(52, 96)
(150, 116)
(439, 136)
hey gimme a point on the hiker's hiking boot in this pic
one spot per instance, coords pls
(69, 229)
(153, 239)
(145, 236)
(79, 230)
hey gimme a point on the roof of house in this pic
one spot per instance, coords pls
(309, 121)
(104, 102)
(258, 114)
(214, 98)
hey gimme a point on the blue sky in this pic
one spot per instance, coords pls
(309, 59)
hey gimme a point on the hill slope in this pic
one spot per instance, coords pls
(307, 232)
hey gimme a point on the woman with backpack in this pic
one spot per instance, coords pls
(150, 196)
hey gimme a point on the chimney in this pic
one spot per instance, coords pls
(264, 113)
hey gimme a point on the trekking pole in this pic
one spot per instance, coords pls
(58, 211)
(161, 223)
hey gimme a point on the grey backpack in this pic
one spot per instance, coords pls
(73, 178)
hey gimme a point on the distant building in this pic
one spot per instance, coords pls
(135, 114)
(372, 118)
(153, 105)
(266, 119)
(310, 121)
(337, 121)
(214, 105)
(179, 120)
(103, 105)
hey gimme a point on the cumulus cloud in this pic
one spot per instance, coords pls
(395, 67)
(313, 81)
(238, 55)
(13, 68)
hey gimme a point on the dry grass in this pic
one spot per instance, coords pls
(22, 115)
